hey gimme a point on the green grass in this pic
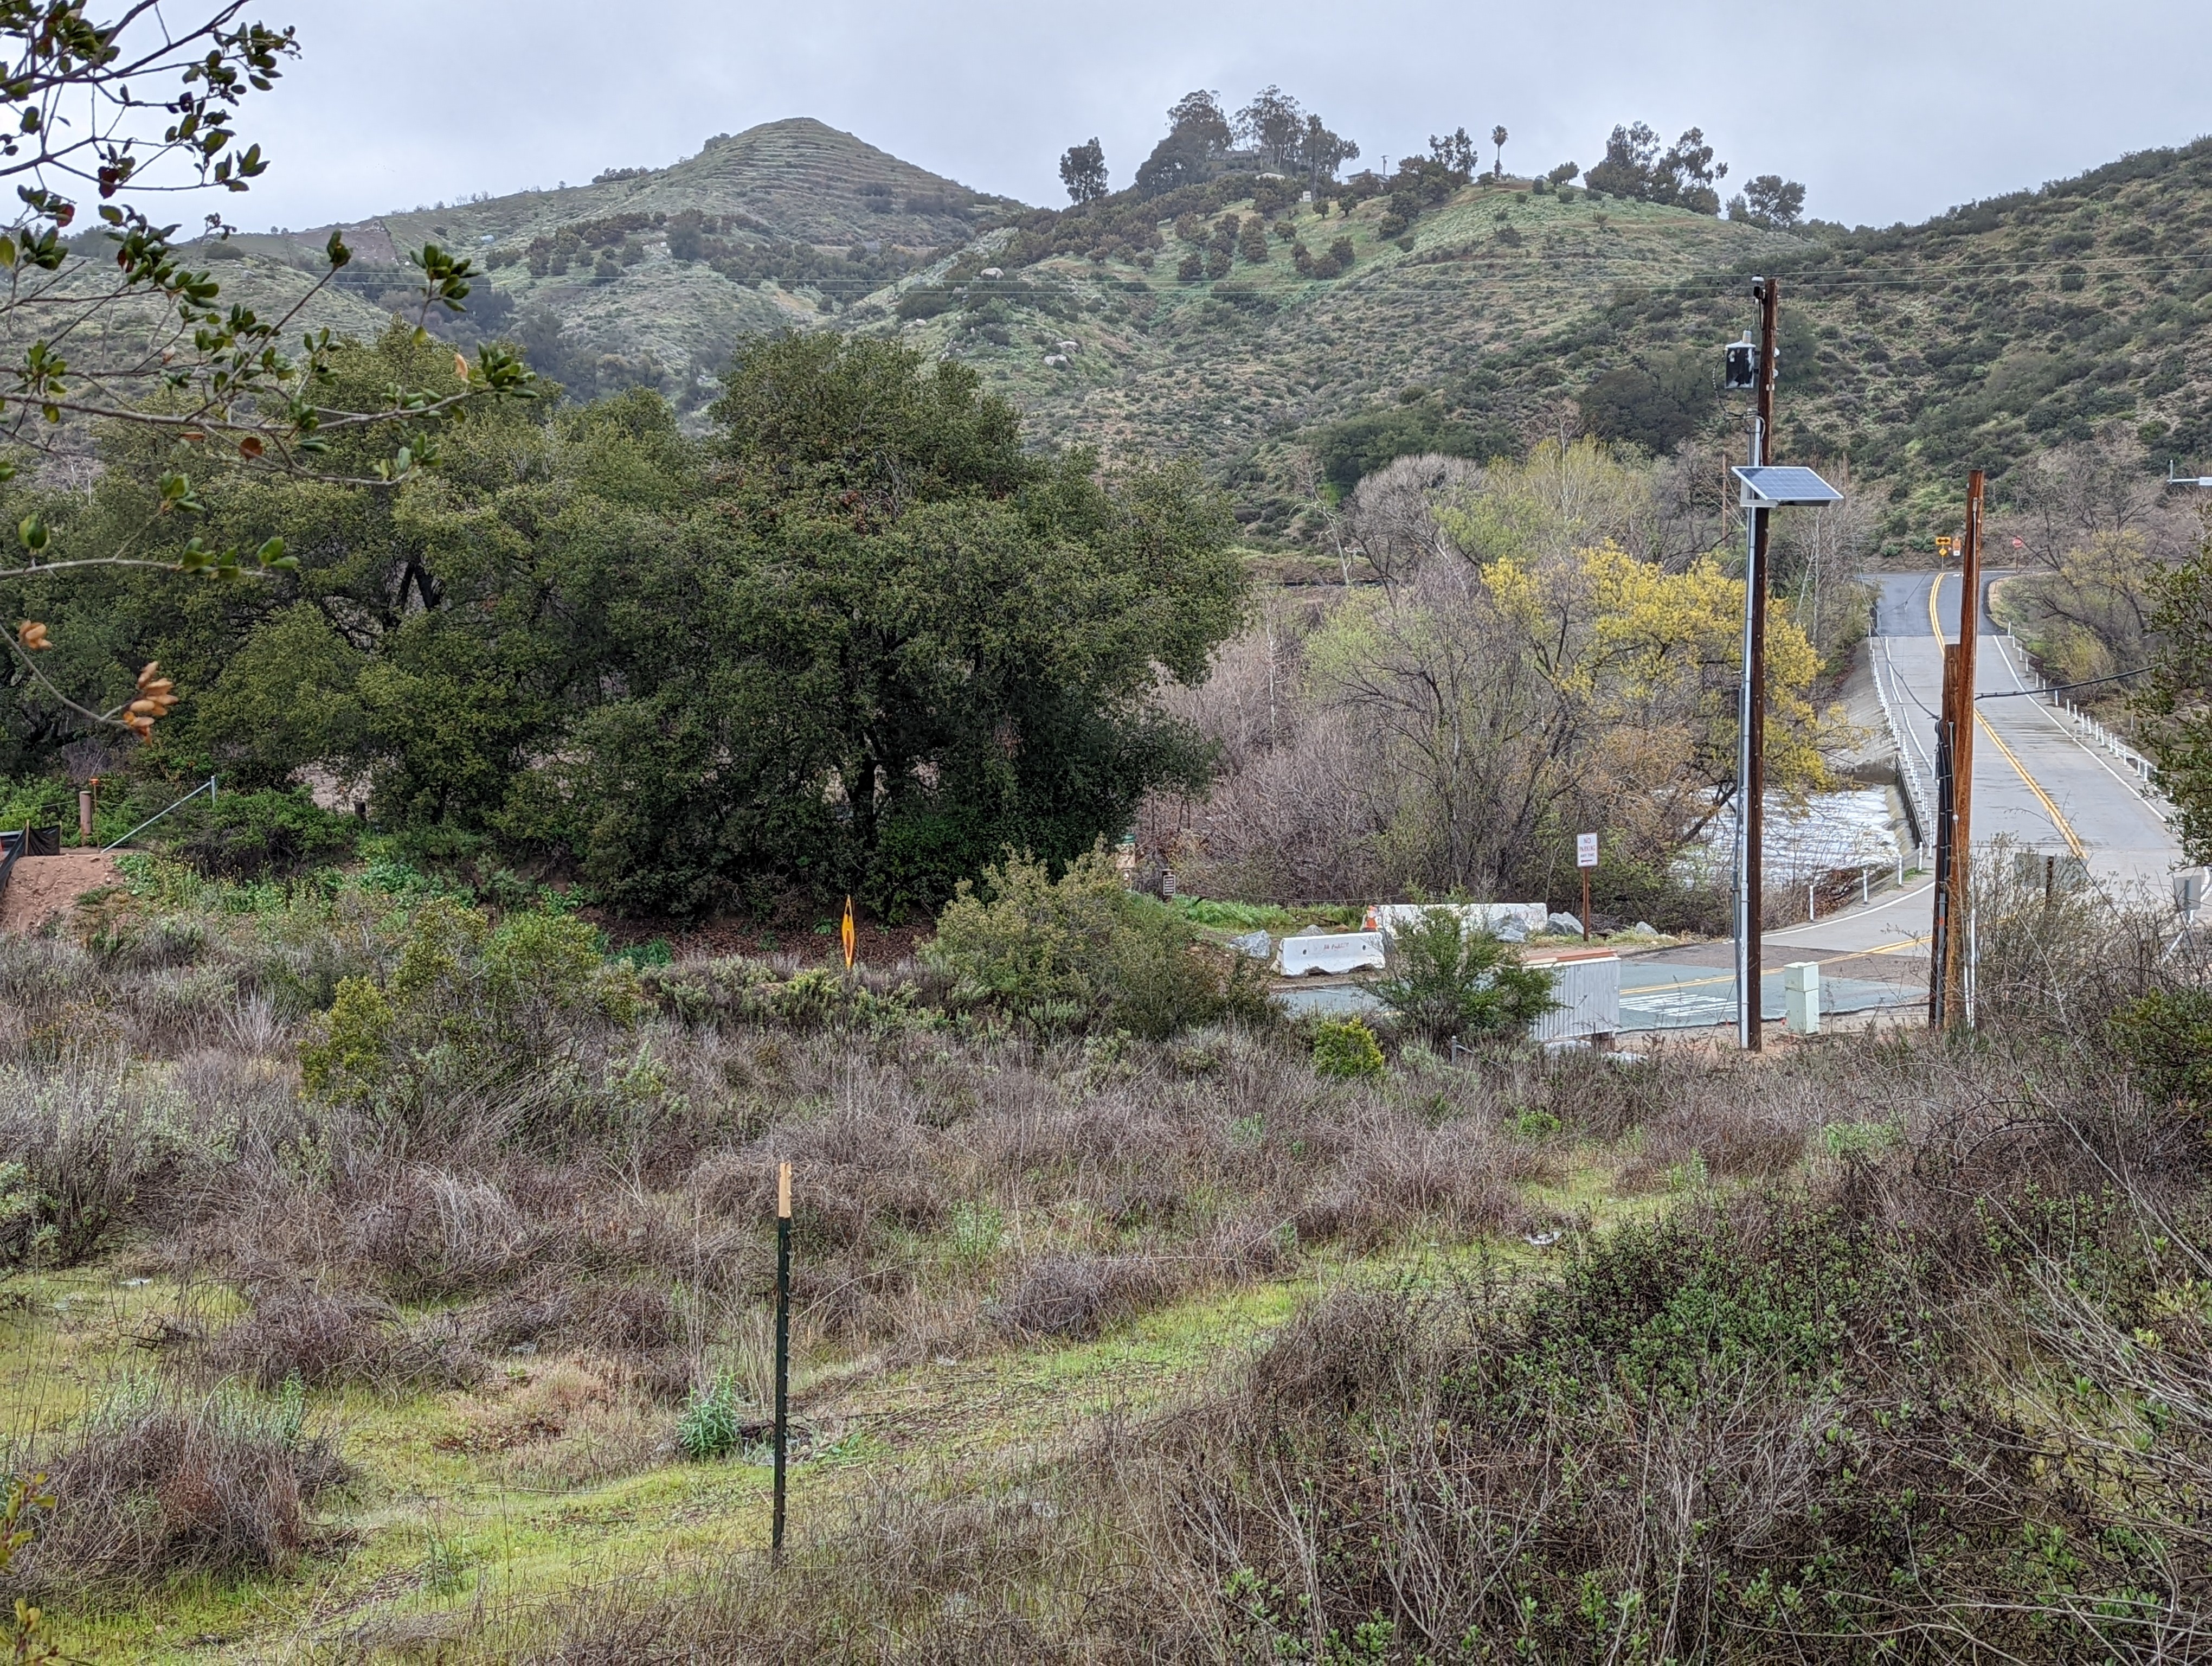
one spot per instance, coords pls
(453, 1513)
(1262, 916)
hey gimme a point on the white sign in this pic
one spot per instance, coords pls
(1585, 850)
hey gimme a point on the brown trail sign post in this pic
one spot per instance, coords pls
(1586, 859)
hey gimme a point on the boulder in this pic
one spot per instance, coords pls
(1566, 924)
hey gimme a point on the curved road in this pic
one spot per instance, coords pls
(2035, 783)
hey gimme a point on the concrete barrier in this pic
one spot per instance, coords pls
(1530, 917)
(1587, 986)
(1330, 951)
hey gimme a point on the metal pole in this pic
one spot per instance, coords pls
(1752, 747)
(1747, 1022)
(1755, 801)
(1938, 944)
(782, 1352)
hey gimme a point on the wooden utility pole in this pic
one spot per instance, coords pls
(1954, 784)
(1750, 789)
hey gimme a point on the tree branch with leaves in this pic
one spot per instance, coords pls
(119, 331)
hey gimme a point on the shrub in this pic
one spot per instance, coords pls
(1075, 1297)
(467, 993)
(80, 1148)
(1084, 951)
(1443, 982)
(346, 1055)
(709, 1426)
(1542, 1432)
(2166, 1038)
(152, 1484)
(815, 998)
(1345, 1049)
(262, 836)
(38, 801)
(925, 302)
(297, 1338)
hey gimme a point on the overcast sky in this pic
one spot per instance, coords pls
(1887, 109)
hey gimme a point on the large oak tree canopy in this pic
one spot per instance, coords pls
(856, 639)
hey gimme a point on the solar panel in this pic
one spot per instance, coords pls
(1779, 487)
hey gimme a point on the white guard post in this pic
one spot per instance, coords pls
(1801, 997)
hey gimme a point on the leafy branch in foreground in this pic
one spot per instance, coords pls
(152, 343)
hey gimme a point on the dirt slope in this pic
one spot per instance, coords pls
(42, 889)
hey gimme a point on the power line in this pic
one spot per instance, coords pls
(2062, 688)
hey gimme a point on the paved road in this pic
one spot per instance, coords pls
(2035, 783)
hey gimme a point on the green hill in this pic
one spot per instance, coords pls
(1502, 311)
(1245, 370)
(650, 275)
(1915, 352)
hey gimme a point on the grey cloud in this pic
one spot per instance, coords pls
(1887, 110)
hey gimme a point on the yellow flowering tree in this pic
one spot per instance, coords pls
(1502, 699)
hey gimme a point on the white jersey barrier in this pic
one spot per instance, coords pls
(1528, 917)
(1329, 952)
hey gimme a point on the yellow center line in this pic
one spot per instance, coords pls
(2058, 820)
(2058, 817)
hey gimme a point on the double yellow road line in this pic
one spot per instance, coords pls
(2057, 817)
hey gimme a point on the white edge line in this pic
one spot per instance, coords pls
(2133, 791)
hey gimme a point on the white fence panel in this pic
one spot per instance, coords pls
(1588, 989)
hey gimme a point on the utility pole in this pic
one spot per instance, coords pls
(1954, 782)
(1751, 711)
